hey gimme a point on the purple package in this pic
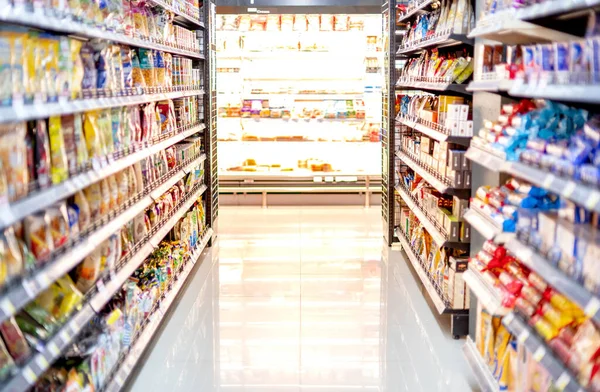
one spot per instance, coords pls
(590, 174)
(546, 62)
(557, 149)
(578, 62)
(591, 129)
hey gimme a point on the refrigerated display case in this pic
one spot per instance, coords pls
(299, 103)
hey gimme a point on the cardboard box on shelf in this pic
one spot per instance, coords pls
(465, 232)
(455, 159)
(464, 113)
(453, 126)
(455, 176)
(467, 179)
(459, 207)
(453, 112)
(456, 289)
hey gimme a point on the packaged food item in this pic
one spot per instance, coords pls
(89, 270)
(140, 22)
(134, 125)
(127, 67)
(38, 236)
(73, 215)
(93, 195)
(105, 197)
(137, 76)
(106, 130)
(6, 362)
(14, 340)
(13, 157)
(146, 60)
(90, 74)
(159, 68)
(92, 130)
(77, 69)
(11, 259)
(58, 156)
(114, 193)
(116, 71)
(80, 203)
(58, 221)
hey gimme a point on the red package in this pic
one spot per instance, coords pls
(561, 349)
(537, 282)
(512, 284)
(531, 295)
(15, 341)
(525, 307)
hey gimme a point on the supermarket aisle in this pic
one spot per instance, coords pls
(303, 299)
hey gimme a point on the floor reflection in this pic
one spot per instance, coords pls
(303, 299)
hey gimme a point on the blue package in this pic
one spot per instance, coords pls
(548, 161)
(561, 51)
(532, 157)
(522, 200)
(547, 57)
(578, 152)
(565, 168)
(591, 129)
(590, 174)
(593, 49)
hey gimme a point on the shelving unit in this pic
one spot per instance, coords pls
(437, 233)
(544, 22)
(567, 286)
(397, 158)
(63, 260)
(433, 130)
(442, 184)
(526, 335)
(434, 291)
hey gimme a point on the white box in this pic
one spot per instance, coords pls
(453, 127)
(466, 128)
(463, 115)
(456, 289)
(453, 112)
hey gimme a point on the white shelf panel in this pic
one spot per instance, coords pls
(46, 22)
(44, 110)
(416, 10)
(441, 136)
(37, 201)
(503, 28)
(489, 229)
(556, 278)
(484, 377)
(573, 93)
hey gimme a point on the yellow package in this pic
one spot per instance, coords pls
(466, 73)
(13, 154)
(32, 70)
(65, 67)
(12, 68)
(77, 68)
(123, 187)
(92, 135)
(50, 56)
(105, 197)
(88, 271)
(501, 341)
(545, 328)
(558, 318)
(10, 255)
(59, 171)
(114, 193)
(71, 297)
(485, 320)
(83, 206)
(105, 126)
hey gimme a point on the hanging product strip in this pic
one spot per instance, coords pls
(541, 287)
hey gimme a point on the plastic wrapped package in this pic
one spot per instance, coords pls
(11, 258)
(58, 222)
(15, 341)
(38, 236)
(13, 157)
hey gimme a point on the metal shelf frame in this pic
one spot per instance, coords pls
(433, 130)
(483, 375)
(438, 234)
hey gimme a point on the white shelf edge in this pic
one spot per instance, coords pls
(18, 210)
(556, 278)
(484, 377)
(486, 227)
(434, 182)
(486, 295)
(68, 26)
(118, 381)
(415, 10)
(414, 260)
(437, 236)
(44, 110)
(515, 31)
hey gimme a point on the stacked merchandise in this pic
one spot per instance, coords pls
(93, 359)
(442, 160)
(432, 175)
(452, 17)
(298, 22)
(537, 288)
(449, 115)
(39, 154)
(100, 156)
(435, 67)
(560, 330)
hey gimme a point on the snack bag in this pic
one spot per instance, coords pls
(146, 60)
(42, 154)
(117, 128)
(92, 130)
(90, 74)
(6, 362)
(127, 67)
(38, 237)
(80, 203)
(59, 224)
(13, 157)
(58, 156)
(15, 341)
(114, 192)
(137, 76)
(77, 68)
(93, 195)
(89, 270)
(10, 256)
(105, 197)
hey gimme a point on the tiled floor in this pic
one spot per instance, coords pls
(303, 299)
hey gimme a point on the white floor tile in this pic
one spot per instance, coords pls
(303, 299)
